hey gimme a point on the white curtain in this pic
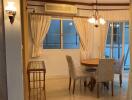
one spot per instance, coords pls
(87, 38)
(85, 31)
(103, 37)
(39, 25)
(129, 93)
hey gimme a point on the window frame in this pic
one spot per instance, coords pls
(110, 45)
(61, 34)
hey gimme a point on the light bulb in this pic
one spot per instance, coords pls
(96, 24)
(102, 21)
(10, 7)
(91, 20)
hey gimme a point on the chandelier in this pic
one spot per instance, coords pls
(96, 19)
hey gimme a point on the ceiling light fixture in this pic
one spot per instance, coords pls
(96, 19)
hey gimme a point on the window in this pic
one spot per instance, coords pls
(126, 46)
(114, 40)
(52, 40)
(118, 42)
(61, 34)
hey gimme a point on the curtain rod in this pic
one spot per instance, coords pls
(81, 3)
(71, 16)
(61, 15)
(105, 9)
(58, 15)
(83, 8)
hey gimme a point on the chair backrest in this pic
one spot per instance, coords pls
(70, 65)
(105, 70)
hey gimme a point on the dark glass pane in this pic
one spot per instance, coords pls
(115, 39)
(54, 27)
(117, 47)
(70, 36)
(117, 33)
(126, 31)
(109, 34)
(126, 48)
(68, 27)
(52, 39)
(107, 51)
(117, 52)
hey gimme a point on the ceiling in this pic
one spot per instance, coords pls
(90, 4)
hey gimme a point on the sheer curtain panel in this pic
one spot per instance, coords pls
(88, 35)
(39, 25)
(85, 31)
(103, 38)
(129, 93)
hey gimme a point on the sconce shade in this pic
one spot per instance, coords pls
(11, 19)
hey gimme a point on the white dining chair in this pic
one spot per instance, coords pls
(76, 73)
(104, 73)
(118, 65)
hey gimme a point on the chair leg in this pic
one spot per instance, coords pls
(112, 88)
(106, 84)
(98, 90)
(74, 81)
(93, 83)
(69, 83)
(85, 83)
(120, 76)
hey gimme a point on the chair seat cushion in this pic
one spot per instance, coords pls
(81, 73)
(117, 69)
(91, 69)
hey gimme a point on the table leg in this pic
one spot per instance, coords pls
(91, 84)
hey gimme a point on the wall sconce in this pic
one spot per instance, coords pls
(11, 11)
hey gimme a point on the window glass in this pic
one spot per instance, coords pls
(68, 39)
(109, 34)
(52, 39)
(118, 42)
(70, 36)
(126, 48)
(117, 33)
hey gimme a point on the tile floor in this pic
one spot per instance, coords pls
(57, 89)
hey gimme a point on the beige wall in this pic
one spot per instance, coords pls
(56, 64)
(14, 55)
(113, 15)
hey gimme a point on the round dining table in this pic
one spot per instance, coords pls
(93, 62)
